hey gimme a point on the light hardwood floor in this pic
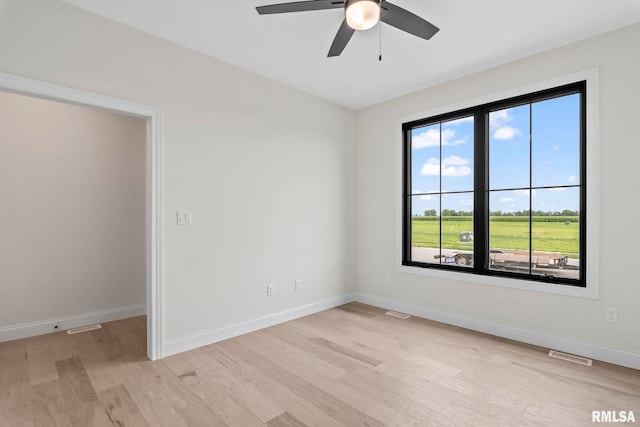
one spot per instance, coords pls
(348, 366)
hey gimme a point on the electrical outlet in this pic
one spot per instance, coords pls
(298, 284)
(269, 290)
(611, 315)
(387, 279)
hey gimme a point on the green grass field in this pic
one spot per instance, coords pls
(506, 233)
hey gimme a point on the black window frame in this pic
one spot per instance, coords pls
(481, 217)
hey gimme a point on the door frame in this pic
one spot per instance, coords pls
(153, 117)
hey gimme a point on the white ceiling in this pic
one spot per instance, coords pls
(292, 48)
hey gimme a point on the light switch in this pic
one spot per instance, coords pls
(184, 218)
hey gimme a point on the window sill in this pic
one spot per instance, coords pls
(590, 292)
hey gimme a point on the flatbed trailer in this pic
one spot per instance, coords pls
(508, 261)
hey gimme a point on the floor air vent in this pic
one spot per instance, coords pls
(398, 315)
(570, 358)
(83, 329)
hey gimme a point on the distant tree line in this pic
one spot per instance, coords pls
(453, 212)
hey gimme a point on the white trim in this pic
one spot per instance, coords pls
(54, 92)
(154, 235)
(597, 352)
(32, 329)
(40, 89)
(190, 342)
(592, 289)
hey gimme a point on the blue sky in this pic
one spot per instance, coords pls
(554, 129)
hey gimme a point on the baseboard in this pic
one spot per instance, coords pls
(592, 351)
(180, 345)
(31, 329)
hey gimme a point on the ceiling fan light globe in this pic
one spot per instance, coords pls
(362, 14)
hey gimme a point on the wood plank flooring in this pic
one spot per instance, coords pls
(348, 366)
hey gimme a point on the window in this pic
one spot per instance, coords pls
(499, 189)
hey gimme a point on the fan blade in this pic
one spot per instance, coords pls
(300, 6)
(406, 21)
(342, 38)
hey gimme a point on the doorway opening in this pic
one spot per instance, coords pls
(151, 186)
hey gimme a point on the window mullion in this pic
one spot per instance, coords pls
(583, 185)
(440, 189)
(530, 188)
(407, 226)
(481, 203)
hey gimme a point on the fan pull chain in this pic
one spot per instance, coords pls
(380, 44)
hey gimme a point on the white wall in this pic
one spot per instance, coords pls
(267, 171)
(72, 223)
(570, 318)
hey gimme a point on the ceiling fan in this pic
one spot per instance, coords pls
(359, 15)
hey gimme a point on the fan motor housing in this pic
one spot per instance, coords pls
(362, 14)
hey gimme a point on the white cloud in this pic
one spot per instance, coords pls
(556, 148)
(466, 202)
(524, 192)
(451, 166)
(431, 138)
(424, 196)
(431, 168)
(557, 189)
(572, 178)
(499, 118)
(507, 199)
(456, 171)
(455, 161)
(449, 138)
(506, 132)
(459, 121)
